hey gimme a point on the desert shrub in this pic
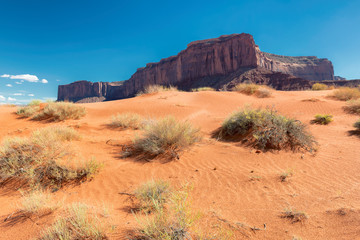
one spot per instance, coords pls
(152, 194)
(260, 91)
(357, 125)
(127, 120)
(166, 135)
(322, 119)
(353, 106)
(200, 89)
(61, 133)
(319, 87)
(346, 93)
(156, 88)
(169, 222)
(39, 161)
(265, 129)
(263, 92)
(34, 102)
(248, 89)
(285, 175)
(78, 222)
(60, 111)
(294, 215)
(27, 111)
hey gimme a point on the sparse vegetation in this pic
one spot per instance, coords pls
(169, 222)
(265, 129)
(357, 125)
(284, 176)
(60, 111)
(38, 161)
(260, 91)
(127, 120)
(346, 93)
(294, 216)
(322, 119)
(156, 88)
(37, 201)
(152, 194)
(319, 87)
(200, 89)
(61, 133)
(78, 222)
(353, 106)
(166, 136)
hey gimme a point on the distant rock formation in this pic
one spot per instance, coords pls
(218, 63)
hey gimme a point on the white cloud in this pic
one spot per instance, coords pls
(5, 75)
(26, 77)
(44, 81)
(8, 85)
(31, 95)
(18, 82)
(18, 94)
(2, 98)
(10, 99)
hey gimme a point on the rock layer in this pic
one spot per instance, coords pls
(212, 62)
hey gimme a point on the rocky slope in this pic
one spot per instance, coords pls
(214, 62)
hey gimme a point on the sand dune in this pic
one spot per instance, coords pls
(230, 181)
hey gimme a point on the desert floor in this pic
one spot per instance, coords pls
(230, 181)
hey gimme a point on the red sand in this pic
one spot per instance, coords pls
(233, 181)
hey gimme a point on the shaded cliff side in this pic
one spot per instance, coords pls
(213, 62)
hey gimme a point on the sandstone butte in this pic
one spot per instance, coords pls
(219, 63)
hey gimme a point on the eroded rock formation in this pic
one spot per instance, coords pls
(218, 63)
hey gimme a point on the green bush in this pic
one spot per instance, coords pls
(265, 129)
(319, 87)
(166, 136)
(322, 119)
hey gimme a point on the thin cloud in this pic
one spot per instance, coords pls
(2, 98)
(18, 82)
(18, 94)
(5, 75)
(26, 77)
(10, 99)
(8, 85)
(31, 95)
(44, 81)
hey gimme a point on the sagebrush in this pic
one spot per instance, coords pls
(266, 129)
(319, 87)
(260, 91)
(60, 111)
(346, 93)
(127, 120)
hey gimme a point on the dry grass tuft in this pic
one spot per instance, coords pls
(201, 89)
(79, 222)
(294, 215)
(260, 91)
(166, 136)
(36, 202)
(346, 93)
(353, 106)
(319, 87)
(60, 111)
(61, 133)
(155, 89)
(322, 119)
(127, 120)
(38, 161)
(266, 129)
(152, 194)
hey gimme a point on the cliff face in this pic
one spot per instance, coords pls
(310, 68)
(212, 62)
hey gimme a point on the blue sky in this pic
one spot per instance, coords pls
(47, 43)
